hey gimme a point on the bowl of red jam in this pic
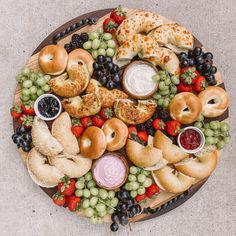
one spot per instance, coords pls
(191, 139)
(47, 107)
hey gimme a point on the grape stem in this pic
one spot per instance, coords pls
(106, 204)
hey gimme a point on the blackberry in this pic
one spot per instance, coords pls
(164, 114)
(75, 37)
(84, 37)
(155, 116)
(68, 48)
(73, 45)
(151, 131)
(148, 123)
(141, 127)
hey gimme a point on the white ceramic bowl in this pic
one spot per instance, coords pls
(201, 144)
(37, 111)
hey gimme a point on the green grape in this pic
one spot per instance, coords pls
(133, 170)
(79, 184)
(33, 90)
(175, 79)
(209, 132)
(93, 220)
(27, 84)
(107, 36)
(19, 78)
(163, 74)
(110, 52)
(95, 44)
(132, 178)
(210, 140)
(91, 183)
(79, 193)
(108, 202)
(141, 190)
(94, 191)
(25, 71)
(213, 125)
(100, 30)
(41, 81)
(173, 89)
(103, 45)
(40, 92)
(141, 178)
(156, 77)
(111, 194)
(207, 126)
(94, 54)
(99, 220)
(128, 186)
(25, 92)
(224, 127)
(198, 124)
(103, 194)
(216, 139)
(147, 182)
(93, 35)
(86, 193)
(23, 78)
(25, 98)
(162, 85)
(167, 81)
(134, 185)
(33, 97)
(145, 172)
(114, 202)
(166, 102)
(81, 179)
(216, 132)
(165, 92)
(87, 45)
(100, 207)
(46, 88)
(133, 193)
(86, 203)
(93, 201)
(88, 176)
(89, 212)
(47, 78)
(200, 118)
(160, 101)
(227, 139)
(220, 144)
(110, 211)
(102, 213)
(102, 52)
(157, 96)
(111, 43)
(172, 96)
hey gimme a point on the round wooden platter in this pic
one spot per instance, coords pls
(164, 202)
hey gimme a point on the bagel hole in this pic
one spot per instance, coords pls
(212, 101)
(113, 134)
(186, 109)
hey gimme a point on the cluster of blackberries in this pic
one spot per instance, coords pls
(202, 61)
(126, 208)
(77, 41)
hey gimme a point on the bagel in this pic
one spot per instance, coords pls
(106, 96)
(171, 152)
(170, 180)
(42, 173)
(74, 166)
(200, 166)
(173, 36)
(214, 101)
(53, 59)
(185, 107)
(142, 156)
(116, 133)
(92, 142)
(61, 130)
(132, 113)
(42, 139)
(79, 107)
(140, 22)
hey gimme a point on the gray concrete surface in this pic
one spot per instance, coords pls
(24, 208)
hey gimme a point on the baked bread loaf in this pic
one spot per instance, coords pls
(171, 152)
(185, 107)
(116, 133)
(86, 105)
(214, 101)
(173, 36)
(132, 113)
(53, 59)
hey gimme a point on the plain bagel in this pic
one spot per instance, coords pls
(53, 59)
(116, 133)
(214, 101)
(92, 142)
(185, 107)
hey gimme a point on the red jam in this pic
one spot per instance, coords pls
(190, 139)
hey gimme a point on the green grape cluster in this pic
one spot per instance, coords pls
(216, 132)
(167, 88)
(33, 84)
(100, 43)
(138, 180)
(96, 202)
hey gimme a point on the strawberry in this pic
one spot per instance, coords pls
(106, 113)
(59, 199)
(188, 75)
(184, 88)
(132, 130)
(109, 25)
(118, 15)
(16, 112)
(151, 190)
(172, 127)
(142, 135)
(77, 128)
(86, 121)
(200, 84)
(158, 124)
(73, 202)
(98, 121)
(140, 198)
(28, 108)
(66, 186)
(26, 120)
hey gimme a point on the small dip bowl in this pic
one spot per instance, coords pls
(110, 171)
(191, 140)
(47, 107)
(137, 79)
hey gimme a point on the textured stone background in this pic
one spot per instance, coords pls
(24, 208)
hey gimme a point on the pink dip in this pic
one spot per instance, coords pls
(109, 171)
